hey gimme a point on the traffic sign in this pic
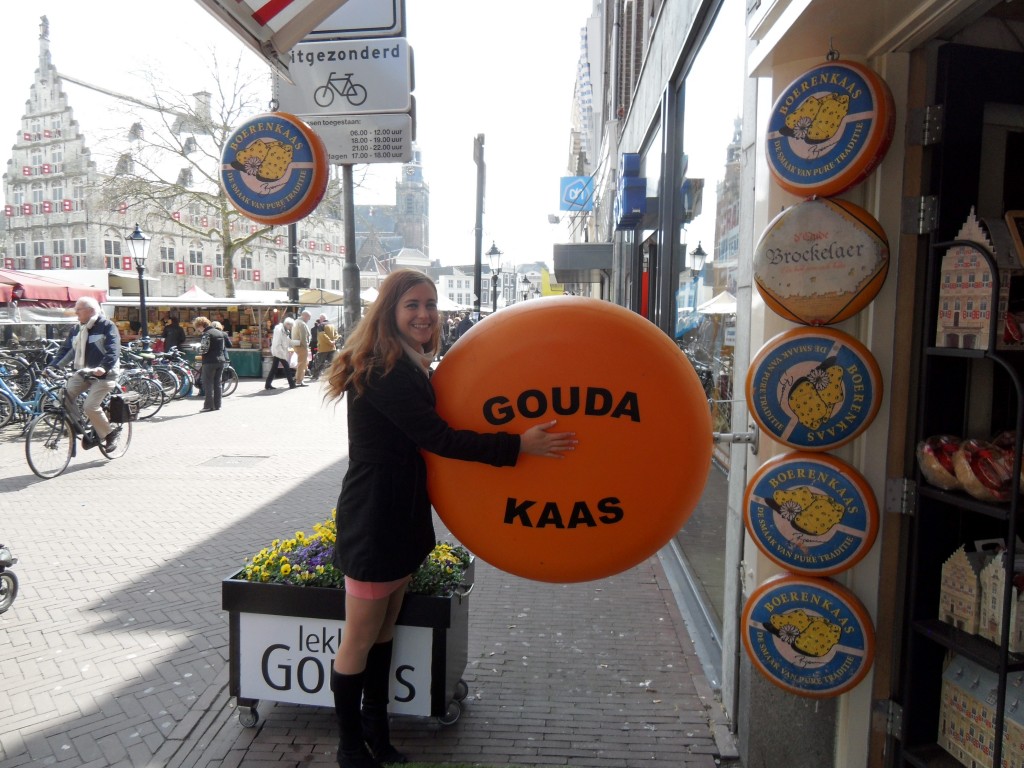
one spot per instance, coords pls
(365, 138)
(362, 18)
(348, 77)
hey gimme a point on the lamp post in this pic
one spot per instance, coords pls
(527, 287)
(138, 244)
(698, 256)
(494, 256)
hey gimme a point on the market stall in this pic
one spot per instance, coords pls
(248, 321)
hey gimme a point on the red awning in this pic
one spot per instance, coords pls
(30, 286)
(271, 27)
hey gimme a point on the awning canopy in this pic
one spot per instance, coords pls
(271, 27)
(44, 289)
(722, 304)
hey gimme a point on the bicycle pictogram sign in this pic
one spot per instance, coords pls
(342, 86)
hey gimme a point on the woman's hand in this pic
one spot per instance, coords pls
(537, 441)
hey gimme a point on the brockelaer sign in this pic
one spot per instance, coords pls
(348, 77)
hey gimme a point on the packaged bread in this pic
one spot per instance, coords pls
(1007, 441)
(935, 458)
(983, 470)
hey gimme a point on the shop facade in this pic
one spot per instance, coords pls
(694, 128)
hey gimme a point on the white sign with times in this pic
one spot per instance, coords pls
(352, 139)
(348, 77)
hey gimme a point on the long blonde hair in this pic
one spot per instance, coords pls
(375, 344)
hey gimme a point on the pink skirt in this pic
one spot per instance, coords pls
(373, 590)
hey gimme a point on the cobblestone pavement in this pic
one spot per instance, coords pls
(115, 652)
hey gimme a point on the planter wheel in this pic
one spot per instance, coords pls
(452, 714)
(461, 691)
(248, 717)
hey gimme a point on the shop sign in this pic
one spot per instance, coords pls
(810, 513)
(813, 388)
(274, 168)
(829, 128)
(821, 261)
(643, 426)
(809, 636)
(288, 659)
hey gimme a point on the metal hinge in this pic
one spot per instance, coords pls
(924, 126)
(919, 215)
(900, 496)
(893, 713)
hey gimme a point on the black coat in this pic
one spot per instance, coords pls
(385, 526)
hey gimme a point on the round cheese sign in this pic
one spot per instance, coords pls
(813, 388)
(642, 422)
(810, 513)
(829, 128)
(821, 261)
(812, 637)
(274, 169)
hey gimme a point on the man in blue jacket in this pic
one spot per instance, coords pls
(93, 348)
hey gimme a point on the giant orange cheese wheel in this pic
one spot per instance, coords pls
(638, 411)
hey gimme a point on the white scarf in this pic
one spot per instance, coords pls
(421, 359)
(82, 340)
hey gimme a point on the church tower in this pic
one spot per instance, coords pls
(413, 197)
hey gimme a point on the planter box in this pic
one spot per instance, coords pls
(283, 640)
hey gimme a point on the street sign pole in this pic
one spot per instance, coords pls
(478, 231)
(350, 272)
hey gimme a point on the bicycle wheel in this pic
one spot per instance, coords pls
(324, 96)
(228, 381)
(356, 95)
(169, 382)
(121, 446)
(18, 374)
(8, 590)
(49, 445)
(186, 381)
(7, 409)
(151, 396)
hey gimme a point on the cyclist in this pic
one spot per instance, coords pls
(94, 349)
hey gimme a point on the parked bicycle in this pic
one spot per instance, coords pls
(47, 390)
(53, 436)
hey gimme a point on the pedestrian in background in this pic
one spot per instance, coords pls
(281, 351)
(301, 337)
(174, 335)
(215, 354)
(384, 523)
(314, 342)
(326, 347)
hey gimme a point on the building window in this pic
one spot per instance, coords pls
(218, 264)
(195, 259)
(245, 267)
(167, 259)
(111, 252)
(58, 247)
(78, 246)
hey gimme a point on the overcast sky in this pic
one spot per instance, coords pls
(509, 75)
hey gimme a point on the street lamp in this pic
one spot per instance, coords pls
(527, 287)
(697, 258)
(494, 256)
(138, 244)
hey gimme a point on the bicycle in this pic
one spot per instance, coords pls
(45, 395)
(52, 437)
(228, 378)
(355, 93)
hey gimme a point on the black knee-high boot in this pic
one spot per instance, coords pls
(376, 683)
(348, 690)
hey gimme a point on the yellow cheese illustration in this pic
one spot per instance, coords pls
(813, 397)
(810, 636)
(266, 160)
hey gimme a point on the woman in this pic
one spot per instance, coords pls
(213, 347)
(384, 522)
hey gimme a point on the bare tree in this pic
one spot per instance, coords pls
(167, 167)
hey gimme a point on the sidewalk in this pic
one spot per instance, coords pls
(115, 651)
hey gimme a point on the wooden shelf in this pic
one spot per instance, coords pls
(973, 647)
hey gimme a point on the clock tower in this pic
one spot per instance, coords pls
(413, 198)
